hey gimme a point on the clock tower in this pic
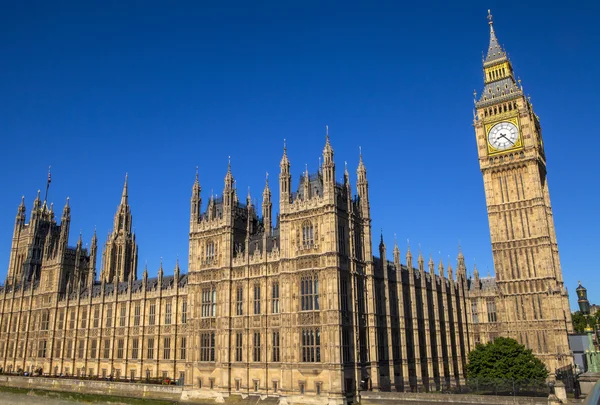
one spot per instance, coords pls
(532, 302)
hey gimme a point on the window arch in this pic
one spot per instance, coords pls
(308, 239)
(211, 248)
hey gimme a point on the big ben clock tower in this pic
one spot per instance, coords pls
(531, 301)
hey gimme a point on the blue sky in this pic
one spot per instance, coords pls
(154, 89)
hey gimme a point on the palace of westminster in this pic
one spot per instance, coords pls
(298, 305)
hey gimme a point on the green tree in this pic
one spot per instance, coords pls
(579, 322)
(505, 359)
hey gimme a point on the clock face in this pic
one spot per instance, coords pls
(503, 135)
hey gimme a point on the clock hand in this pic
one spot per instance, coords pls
(504, 136)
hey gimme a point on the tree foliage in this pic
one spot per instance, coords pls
(505, 358)
(579, 321)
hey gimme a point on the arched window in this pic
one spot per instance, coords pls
(210, 251)
(308, 239)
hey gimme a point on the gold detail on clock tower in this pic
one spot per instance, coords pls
(528, 289)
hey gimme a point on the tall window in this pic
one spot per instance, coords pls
(106, 353)
(109, 314)
(238, 346)
(183, 348)
(71, 319)
(275, 297)
(209, 302)
(45, 320)
(120, 346)
(152, 315)
(256, 299)
(69, 353)
(96, 316)
(41, 348)
(83, 317)
(474, 312)
(184, 311)
(275, 345)
(256, 347)
(167, 348)
(61, 321)
(311, 345)
(210, 251)
(491, 310)
(94, 348)
(135, 347)
(168, 313)
(81, 349)
(57, 348)
(342, 239)
(122, 315)
(346, 354)
(150, 348)
(137, 310)
(239, 301)
(309, 293)
(343, 295)
(307, 235)
(207, 346)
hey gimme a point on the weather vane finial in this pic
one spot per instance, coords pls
(489, 17)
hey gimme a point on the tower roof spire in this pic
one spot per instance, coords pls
(124, 195)
(495, 51)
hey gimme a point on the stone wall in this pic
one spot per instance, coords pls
(151, 391)
(383, 398)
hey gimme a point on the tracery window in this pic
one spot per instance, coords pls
(308, 239)
(207, 346)
(256, 299)
(474, 312)
(210, 251)
(239, 301)
(311, 345)
(275, 297)
(209, 302)
(491, 310)
(309, 293)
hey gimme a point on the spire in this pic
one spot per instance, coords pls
(495, 51)
(37, 202)
(396, 253)
(124, 194)
(441, 269)
(229, 176)
(177, 269)
(284, 159)
(145, 274)
(196, 201)
(431, 265)
(66, 211)
(476, 275)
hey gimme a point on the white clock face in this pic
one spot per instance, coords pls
(503, 135)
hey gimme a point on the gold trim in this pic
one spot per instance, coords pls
(488, 128)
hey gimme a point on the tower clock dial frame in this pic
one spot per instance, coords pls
(503, 136)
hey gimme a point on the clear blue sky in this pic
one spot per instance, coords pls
(98, 89)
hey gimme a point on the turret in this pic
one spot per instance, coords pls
(441, 270)
(476, 276)
(228, 190)
(196, 201)
(93, 254)
(160, 274)
(267, 208)
(176, 272)
(328, 168)
(409, 262)
(450, 272)
(65, 224)
(21, 216)
(362, 186)
(285, 181)
(431, 266)
(461, 269)
(421, 263)
(396, 255)
(306, 184)
(382, 252)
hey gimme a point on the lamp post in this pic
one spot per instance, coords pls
(592, 354)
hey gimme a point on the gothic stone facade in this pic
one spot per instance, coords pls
(295, 306)
(300, 309)
(527, 300)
